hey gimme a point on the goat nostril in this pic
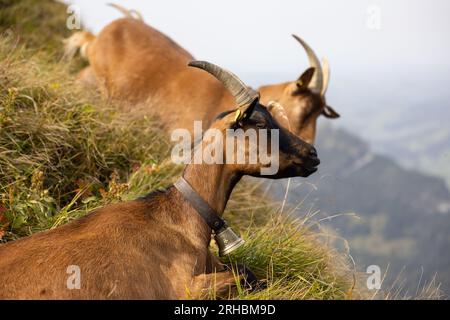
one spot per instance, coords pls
(313, 152)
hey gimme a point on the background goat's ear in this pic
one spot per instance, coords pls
(330, 113)
(304, 80)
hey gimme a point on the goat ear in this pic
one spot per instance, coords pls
(330, 113)
(246, 111)
(304, 80)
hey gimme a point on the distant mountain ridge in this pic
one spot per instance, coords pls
(404, 214)
(416, 133)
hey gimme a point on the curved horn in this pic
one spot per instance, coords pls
(127, 13)
(279, 113)
(242, 94)
(326, 75)
(316, 83)
(137, 14)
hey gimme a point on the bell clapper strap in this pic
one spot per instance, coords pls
(227, 240)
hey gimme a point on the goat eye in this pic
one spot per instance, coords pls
(261, 126)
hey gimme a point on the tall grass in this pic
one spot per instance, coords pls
(55, 143)
(38, 24)
(294, 264)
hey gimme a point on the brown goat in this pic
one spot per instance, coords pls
(136, 63)
(155, 247)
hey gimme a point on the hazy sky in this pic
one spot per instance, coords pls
(408, 54)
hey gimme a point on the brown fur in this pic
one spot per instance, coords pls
(130, 250)
(86, 77)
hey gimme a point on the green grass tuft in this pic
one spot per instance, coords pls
(294, 262)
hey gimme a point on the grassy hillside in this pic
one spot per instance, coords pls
(39, 24)
(65, 151)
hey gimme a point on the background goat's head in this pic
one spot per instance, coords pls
(304, 99)
(295, 157)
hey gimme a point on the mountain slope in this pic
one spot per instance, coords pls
(404, 214)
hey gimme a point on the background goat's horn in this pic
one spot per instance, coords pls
(124, 11)
(326, 75)
(316, 84)
(242, 94)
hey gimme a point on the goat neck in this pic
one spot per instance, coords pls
(213, 182)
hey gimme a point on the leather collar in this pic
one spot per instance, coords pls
(214, 221)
